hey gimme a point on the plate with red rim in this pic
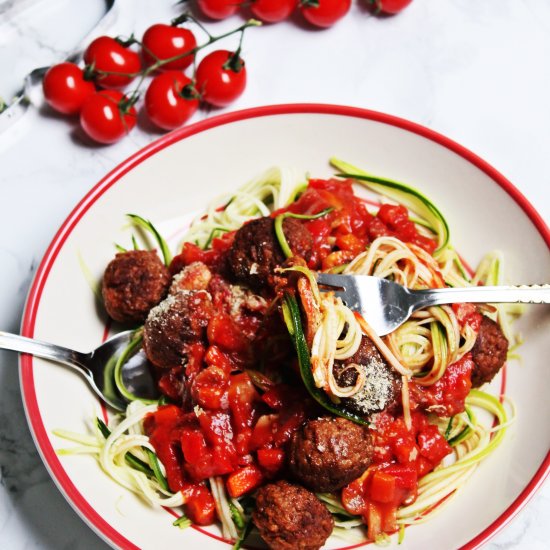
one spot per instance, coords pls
(178, 175)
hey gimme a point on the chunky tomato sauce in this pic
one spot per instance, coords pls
(235, 421)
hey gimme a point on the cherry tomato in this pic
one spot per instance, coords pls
(390, 7)
(218, 9)
(102, 119)
(169, 100)
(106, 54)
(162, 41)
(221, 78)
(272, 11)
(65, 88)
(324, 13)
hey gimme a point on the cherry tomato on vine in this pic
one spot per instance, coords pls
(218, 9)
(272, 11)
(389, 7)
(171, 100)
(66, 89)
(105, 118)
(221, 78)
(162, 42)
(324, 13)
(106, 54)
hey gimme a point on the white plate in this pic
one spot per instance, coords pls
(179, 174)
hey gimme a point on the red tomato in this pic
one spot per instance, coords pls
(200, 508)
(218, 9)
(390, 6)
(162, 42)
(65, 88)
(102, 118)
(221, 78)
(324, 13)
(169, 100)
(272, 11)
(105, 54)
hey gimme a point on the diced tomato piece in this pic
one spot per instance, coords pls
(405, 476)
(165, 414)
(468, 314)
(243, 399)
(351, 243)
(271, 460)
(193, 446)
(223, 332)
(423, 466)
(288, 426)
(244, 480)
(242, 442)
(353, 496)
(171, 383)
(264, 431)
(274, 397)
(382, 487)
(433, 445)
(210, 387)
(216, 357)
(446, 397)
(200, 508)
(195, 356)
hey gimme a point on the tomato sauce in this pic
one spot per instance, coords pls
(235, 422)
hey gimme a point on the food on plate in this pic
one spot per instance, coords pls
(255, 253)
(281, 408)
(289, 516)
(327, 453)
(134, 282)
(489, 352)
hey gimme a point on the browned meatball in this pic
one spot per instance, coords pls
(328, 453)
(289, 517)
(178, 320)
(133, 283)
(489, 352)
(382, 387)
(256, 253)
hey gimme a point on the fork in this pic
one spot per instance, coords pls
(386, 305)
(96, 366)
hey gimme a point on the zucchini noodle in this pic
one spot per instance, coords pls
(435, 487)
(338, 337)
(270, 191)
(111, 454)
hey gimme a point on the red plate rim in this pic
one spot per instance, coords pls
(34, 418)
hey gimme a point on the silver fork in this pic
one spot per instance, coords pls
(96, 366)
(386, 305)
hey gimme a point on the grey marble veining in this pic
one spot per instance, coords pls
(475, 71)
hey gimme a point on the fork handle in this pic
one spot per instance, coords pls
(14, 342)
(526, 294)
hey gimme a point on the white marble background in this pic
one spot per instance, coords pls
(475, 70)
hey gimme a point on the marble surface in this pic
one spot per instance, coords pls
(475, 71)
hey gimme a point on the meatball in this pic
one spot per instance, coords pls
(289, 517)
(255, 252)
(178, 320)
(328, 453)
(133, 283)
(489, 352)
(382, 386)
